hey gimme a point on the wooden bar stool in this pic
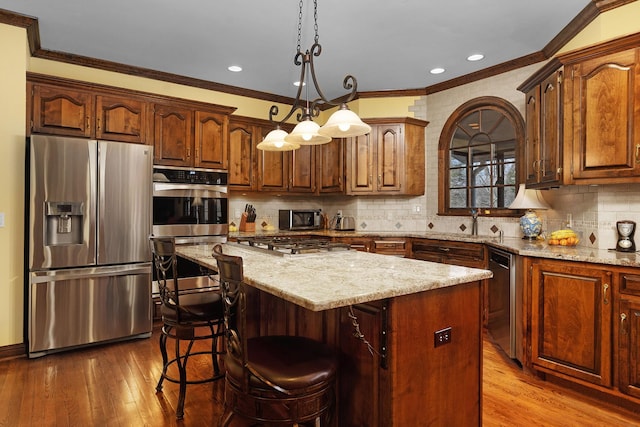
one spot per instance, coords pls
(271, 379)
(188, 317)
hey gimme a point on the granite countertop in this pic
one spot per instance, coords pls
(322, 281)
(536, 249)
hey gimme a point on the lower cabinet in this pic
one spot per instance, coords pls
(571, 320)
(583, 325)
(629, 347)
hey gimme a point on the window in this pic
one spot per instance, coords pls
(478, 152)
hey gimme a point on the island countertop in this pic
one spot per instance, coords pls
(323, 281)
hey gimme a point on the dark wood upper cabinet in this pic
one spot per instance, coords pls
(389, 160)
(172, 135)
(121, 119)
(543, 144)
(211, 140)
(604, 98)
(62, 111)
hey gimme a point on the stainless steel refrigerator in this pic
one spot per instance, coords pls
(89, 267)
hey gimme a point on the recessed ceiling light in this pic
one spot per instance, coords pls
(475, 57)
(235, 68)
(297, 84)
(437, 71)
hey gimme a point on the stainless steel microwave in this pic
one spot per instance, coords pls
(292, 219)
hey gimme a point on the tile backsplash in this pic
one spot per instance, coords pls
(590, 210)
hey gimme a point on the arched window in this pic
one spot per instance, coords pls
(478, 153)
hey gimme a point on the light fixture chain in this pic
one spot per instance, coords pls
(300, 26)
(315, 20)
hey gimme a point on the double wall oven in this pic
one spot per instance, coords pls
(191, 205)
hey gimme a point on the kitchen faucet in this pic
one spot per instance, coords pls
(474, 224)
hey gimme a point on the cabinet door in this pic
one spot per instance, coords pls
(362, 378)
(606, 123)
(172, 135)
(550, 129)
(532, 143)
(62, 111)
(210, 140)
(571, 320)
(121, 119)
(360, 152)
(390, 156)
(330, 162)
(302, 173)
(241, 156)
(273, 168)
(629, 347)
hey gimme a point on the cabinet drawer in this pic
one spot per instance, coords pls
(449, 252)
(630, 284)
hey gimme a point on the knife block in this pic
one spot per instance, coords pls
(246, 226)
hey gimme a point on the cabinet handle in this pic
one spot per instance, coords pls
(98, 123)
(533, 166)
(605, 293)
(379, 180)
(637, 153)
(370, 180)
(623, 323)
(445, 249)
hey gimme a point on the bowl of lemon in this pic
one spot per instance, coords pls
(564, 237)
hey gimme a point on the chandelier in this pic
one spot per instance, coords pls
(341, 124)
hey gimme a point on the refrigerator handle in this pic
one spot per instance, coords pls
(85, 273)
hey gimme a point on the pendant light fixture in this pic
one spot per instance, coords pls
(343, 123)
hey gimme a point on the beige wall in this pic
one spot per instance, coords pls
(410, 214)
(13, 65)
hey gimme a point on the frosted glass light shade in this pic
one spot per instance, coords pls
(344, 123)
(306, 133)
(528, 199)
(275, 141)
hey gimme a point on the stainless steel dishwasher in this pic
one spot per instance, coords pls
(505, 303)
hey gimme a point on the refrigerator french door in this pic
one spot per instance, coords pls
(89, 272)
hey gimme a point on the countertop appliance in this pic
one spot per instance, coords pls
(192, 205)
(505, 303)
(626, 230)
(300, 219)
(89, 260)
(343, 223)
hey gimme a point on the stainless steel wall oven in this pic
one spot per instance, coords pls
(191, 205)
(190, 202)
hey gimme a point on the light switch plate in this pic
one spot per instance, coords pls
(1, 219)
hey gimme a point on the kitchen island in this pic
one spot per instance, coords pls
(409, 332)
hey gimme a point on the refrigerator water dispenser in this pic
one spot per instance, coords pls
(63, 224)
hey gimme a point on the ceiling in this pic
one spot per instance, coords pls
(386, 45)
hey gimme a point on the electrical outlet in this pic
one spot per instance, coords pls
(443, 336)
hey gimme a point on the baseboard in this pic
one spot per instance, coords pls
(11, 351)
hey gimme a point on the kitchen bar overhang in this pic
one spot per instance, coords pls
(327, 280)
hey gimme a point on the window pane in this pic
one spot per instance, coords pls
(458, 198)
(458, 178)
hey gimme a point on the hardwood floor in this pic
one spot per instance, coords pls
(114, 385)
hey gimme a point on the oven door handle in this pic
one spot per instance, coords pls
(189, 189)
